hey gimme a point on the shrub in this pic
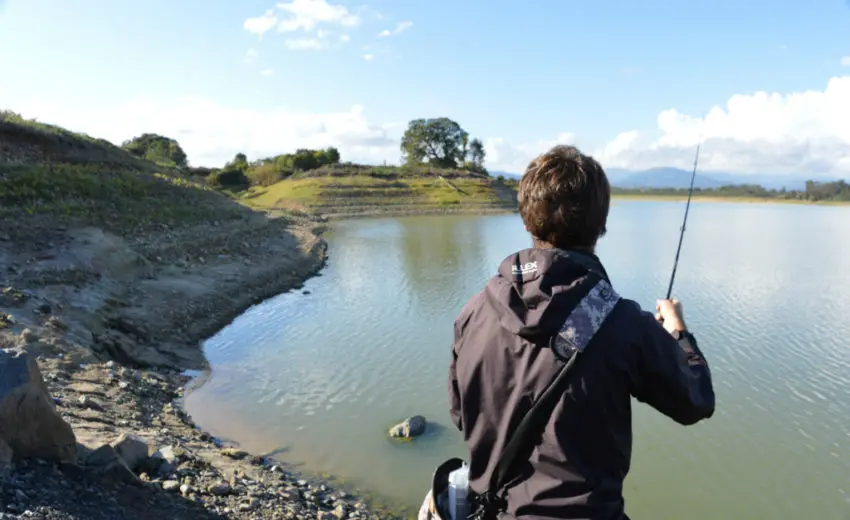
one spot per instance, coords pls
(230, 178)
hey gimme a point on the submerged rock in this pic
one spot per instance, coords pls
(411, 427)
(29, 424)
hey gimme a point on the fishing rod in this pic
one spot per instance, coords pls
(682, 233)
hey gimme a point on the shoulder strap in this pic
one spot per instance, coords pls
(571, 340)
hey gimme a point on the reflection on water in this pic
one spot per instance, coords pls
(766, 288)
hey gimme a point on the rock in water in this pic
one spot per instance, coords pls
(29, 424)
(411, 427)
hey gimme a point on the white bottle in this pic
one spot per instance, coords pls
(458, 487)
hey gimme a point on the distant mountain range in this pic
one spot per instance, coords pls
(666, 177)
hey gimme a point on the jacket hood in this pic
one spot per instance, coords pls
(535, 289)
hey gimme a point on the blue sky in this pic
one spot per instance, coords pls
(519, 75)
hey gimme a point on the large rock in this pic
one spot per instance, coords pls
(106, 461)
(132, 449)
(411, 427)
(29, 424)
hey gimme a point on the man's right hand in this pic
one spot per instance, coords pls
(669, 314)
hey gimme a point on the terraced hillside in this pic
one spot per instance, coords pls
(397, 194)
(180, 256)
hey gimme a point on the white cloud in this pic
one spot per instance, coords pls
(212, 133)
(400, 28)
(845, 61)
(800, 132)
(306, 15)
(804, 132)
(310, 17)
(368, 57)
(266, 72)
(261, 24)
(513, 158)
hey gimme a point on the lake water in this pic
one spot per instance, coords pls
(766, 288)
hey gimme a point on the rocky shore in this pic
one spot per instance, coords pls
(112, 322)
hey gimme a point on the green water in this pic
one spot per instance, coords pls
(765, 287)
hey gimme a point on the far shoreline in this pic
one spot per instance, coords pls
(658, 197)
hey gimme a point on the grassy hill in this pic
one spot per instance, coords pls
(52, 176)
(49, 174)
(353, 190)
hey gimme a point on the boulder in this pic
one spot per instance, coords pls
(411, 427)
(106, 462)
(132, 450)
(29, 424)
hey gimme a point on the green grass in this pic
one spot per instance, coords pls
(30, 142)
(113, 198)
(320, 193)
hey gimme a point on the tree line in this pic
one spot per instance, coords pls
(814, 191)
(439, 143)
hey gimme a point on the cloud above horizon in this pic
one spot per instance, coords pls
(799, 132)
(400, 28)
(308, 18)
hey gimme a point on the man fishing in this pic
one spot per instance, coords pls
(512, 340)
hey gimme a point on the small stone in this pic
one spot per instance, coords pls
(220, 489)
(186, 490)
(170, 485)
(123, 385)
(56, 323)
(29, 336)
(87, 402)
(20, 496)
(234, 453)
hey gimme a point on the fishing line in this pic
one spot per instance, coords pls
(685, 221)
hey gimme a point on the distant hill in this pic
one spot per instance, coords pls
(663, 178)
(668, 177)
(507, 175)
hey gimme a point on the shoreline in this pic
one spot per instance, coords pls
(391, 213)
(115, 323)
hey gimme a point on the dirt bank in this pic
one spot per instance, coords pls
(114, 320)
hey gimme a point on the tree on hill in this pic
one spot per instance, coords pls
(239, 162)
(477, 153)
(441, 142)
(157, 149)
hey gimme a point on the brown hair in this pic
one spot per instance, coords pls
(564, 198)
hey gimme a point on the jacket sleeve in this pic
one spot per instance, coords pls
(454, 393)
(460, 325)
(672, 376)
